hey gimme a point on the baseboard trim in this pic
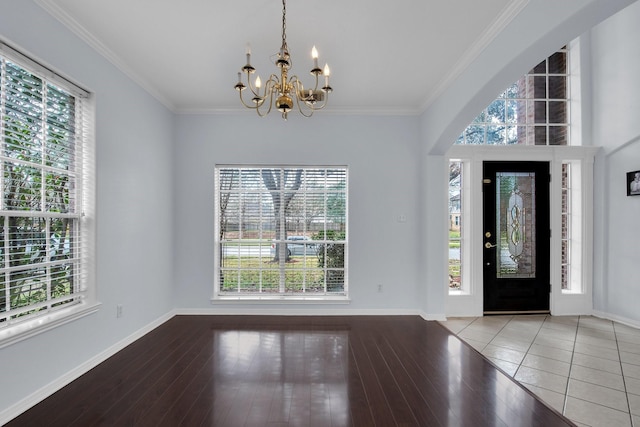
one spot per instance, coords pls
(615, 318)
(279, 311)
(46, 391)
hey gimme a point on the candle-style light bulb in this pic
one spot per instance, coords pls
(248, 52)
(314, 55)
(327, 73)
(258, 82)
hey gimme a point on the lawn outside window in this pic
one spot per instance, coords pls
(281, 232)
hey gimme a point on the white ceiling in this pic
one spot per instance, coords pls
(385, 57)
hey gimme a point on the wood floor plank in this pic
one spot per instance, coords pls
(152, 407)
(279, 371)
(116, 369)
(396, 401)
(376, 399)
(423, 406)
(120, 392)
(359, 409)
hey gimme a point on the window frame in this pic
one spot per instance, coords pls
(81, 297)
(578, 297)
(525, 94)
(572, 276)
(329, 238)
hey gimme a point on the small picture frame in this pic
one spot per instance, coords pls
(633, 183)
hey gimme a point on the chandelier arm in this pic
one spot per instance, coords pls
(301, 95)
(297, 79)
(301, 101)
(299, 89)
(255, 105)
(271, 86)
(321, 106)
(297, 86)
(316, 85)
(258, 99)
(252, 107)
(315, 106)
(302, 110)
(268, 87)
(274, 79)
(269, 90)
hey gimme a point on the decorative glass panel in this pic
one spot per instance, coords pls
(515, 222)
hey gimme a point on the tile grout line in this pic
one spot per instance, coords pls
(526, 353)
(498, 333)
(471, 323)
(573, 352)
(624, 381)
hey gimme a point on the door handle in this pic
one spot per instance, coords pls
(488, 245)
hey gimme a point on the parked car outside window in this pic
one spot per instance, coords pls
(297, 246)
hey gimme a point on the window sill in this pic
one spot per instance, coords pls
(572, 293)
(19, 331)
(458, 292)
(282, 299)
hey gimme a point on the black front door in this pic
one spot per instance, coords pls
(516, 237)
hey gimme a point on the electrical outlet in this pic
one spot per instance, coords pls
(380, 288)
(119, 310)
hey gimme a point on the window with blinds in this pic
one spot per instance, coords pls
(43, 129)
(281, 231)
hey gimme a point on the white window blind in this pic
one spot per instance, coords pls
(281, 231)
(44, 126)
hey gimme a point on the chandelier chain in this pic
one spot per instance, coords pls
(284, 23)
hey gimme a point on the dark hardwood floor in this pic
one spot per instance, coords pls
(294, 371)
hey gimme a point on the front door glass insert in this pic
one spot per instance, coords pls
(515, 220)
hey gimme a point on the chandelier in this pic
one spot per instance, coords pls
(282, 89)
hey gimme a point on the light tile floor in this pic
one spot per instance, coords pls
(585, 367)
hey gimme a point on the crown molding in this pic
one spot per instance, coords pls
(330, 112)
(65, 19)
(499, 24)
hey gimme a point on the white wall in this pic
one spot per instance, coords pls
(382, 154)
(155, 184)
(616, 126)
(134, 210)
